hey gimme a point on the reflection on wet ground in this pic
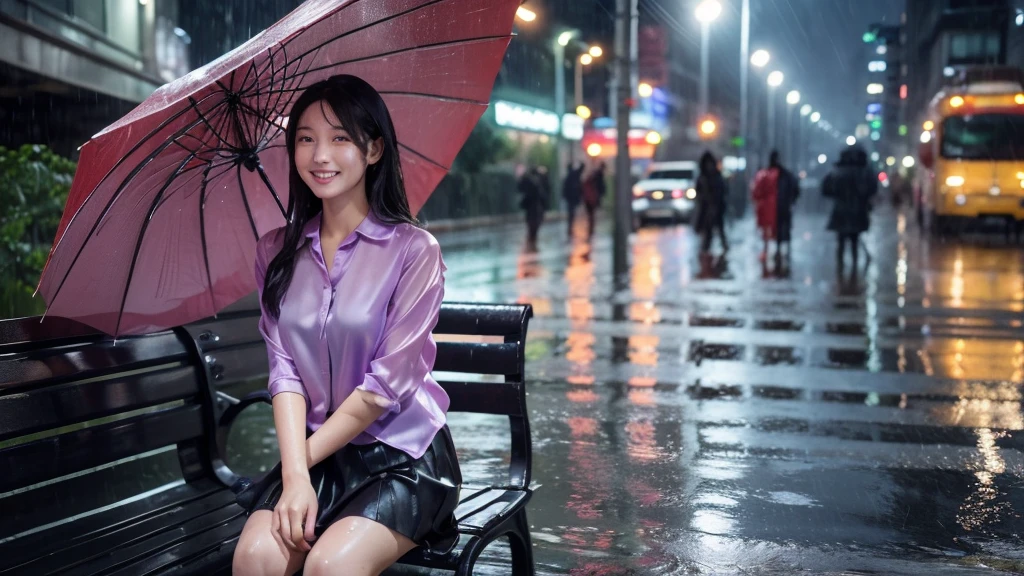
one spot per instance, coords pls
(723, 416)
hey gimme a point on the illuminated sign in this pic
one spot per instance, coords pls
(876, 66)
(526, 118)
(572, 127)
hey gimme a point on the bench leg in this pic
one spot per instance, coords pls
(522, 546)
(518, 531)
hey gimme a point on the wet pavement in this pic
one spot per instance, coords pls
(723, 416)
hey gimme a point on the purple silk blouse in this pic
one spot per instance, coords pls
(366, 326)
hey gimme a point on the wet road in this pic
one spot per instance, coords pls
(724, 417)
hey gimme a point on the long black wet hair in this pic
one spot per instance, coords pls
(364, 115)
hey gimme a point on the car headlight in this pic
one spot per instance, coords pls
(638, 191)
(691, 193)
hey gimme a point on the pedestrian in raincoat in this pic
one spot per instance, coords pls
(776, 190)
(711, 198)
(851, 186)
(572, 191)
(594, 189)
(533, 187)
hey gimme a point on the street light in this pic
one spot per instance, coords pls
(585, 59)
(774, 81)
(565, 37)
(583, 112)
(525, 14)
(851, 140)
(760, 58)
(815, 117)
(645, 90)
(793, 97)
(805, 109)
(707, 11)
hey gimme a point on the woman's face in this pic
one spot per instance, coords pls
(327, 157)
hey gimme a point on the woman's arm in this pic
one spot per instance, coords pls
(290, 423)
(354, 415)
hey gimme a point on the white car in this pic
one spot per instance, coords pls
(667, 193)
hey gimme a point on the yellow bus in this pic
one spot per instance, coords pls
(972, 153)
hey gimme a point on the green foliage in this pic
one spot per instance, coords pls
(483, 147)
(34, 185)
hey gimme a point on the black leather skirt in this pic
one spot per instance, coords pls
(415, 497)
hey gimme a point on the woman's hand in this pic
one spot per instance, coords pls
(295, 515)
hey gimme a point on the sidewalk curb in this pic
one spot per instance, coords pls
(456, 224)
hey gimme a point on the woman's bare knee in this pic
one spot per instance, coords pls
(362, 546)
(260, 553)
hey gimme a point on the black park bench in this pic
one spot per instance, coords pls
(112, 454)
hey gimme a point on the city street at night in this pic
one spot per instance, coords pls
(511, 287)
(726, 420)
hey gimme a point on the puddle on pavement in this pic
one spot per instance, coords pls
(846, 328)
(778, 355)
(717, 322)
(850, 359)
(780, 325)
(776, 392)
(702, 351)
(699, 391)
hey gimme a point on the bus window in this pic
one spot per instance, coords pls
(983, 137)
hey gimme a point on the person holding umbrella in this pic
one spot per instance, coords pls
(368, 470)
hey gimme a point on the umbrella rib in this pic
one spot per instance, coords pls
(365, 26)
(142, 236)
(277, 100)
(245, 201)
(404, 50)
(202, 240)
(205, 121)
(266, 181)
(152, 133)
(437, 97)
(117, 193)
(421, 155)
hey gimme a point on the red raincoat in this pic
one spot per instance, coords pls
(766, 197)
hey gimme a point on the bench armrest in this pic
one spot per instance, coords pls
(232, 411)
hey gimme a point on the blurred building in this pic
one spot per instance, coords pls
(943, 35)
(70, 67)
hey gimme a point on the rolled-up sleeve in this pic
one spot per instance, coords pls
(406, 353)
(284, 376)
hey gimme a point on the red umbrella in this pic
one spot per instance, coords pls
(161, 224)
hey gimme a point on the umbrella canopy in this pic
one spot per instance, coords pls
(161, 223)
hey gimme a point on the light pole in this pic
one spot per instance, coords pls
(774, 81)
(801, 146)
(759, 59)
(744, 85)
(585, 59)
(792, 99)
(707, 11)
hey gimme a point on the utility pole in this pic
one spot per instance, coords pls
(744, 87)
(625, 11)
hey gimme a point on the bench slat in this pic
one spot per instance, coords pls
(110, 538)
(88, 359)
(485, 397)
(481, 319)
(474, 358)
(165, 547)
(86, 528)
(48, 458)
(56, 406)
